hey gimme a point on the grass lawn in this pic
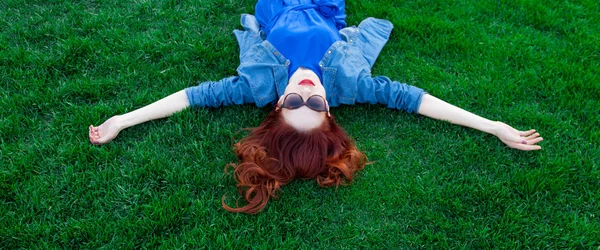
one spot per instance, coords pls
(67, 64)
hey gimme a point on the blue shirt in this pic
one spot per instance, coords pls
(346, 66)
(302, 35)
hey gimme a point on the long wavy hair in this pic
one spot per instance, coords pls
(274, 154)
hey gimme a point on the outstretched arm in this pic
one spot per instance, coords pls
(441, 110)
(162, 108)
(227, 91)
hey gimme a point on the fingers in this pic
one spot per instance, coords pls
(526, 133)
(525, 137)
(534, 141)
(91, 134)
(536, 135)
(94, 135)
(526, 147)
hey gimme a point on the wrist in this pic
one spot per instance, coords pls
(120, 122)
(493, 127)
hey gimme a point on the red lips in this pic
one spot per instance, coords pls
(306, 82)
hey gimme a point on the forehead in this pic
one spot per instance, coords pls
(303, 118)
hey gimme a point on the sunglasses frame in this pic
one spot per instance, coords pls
(304, 103)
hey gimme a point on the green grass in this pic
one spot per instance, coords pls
(67, 64)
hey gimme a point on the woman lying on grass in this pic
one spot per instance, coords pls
(300, 56)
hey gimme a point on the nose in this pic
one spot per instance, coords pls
(306, 91)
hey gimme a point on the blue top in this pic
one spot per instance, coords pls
(302, 31)
(346, 67)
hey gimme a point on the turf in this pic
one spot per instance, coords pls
(67, 64)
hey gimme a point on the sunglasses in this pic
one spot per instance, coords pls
(294, 101)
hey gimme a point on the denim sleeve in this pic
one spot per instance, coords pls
(228, 91)
(393, 94)
(374, 34)
(370, 36)
(250, 36)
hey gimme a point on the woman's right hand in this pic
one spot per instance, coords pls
(159, 109)
(105, 132)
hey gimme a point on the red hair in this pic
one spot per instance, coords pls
(275, 153)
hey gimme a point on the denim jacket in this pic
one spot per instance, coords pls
(263, 71)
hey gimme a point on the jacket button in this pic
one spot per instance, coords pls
(329, 52)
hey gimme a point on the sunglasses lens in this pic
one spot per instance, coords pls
(293, 101)
(316, 103)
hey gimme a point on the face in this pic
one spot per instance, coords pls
(305, 83)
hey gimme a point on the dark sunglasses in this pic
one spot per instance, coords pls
(294, 101)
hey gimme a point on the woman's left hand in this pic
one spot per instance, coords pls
(522, 140)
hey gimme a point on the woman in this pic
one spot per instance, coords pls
(300, 56)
